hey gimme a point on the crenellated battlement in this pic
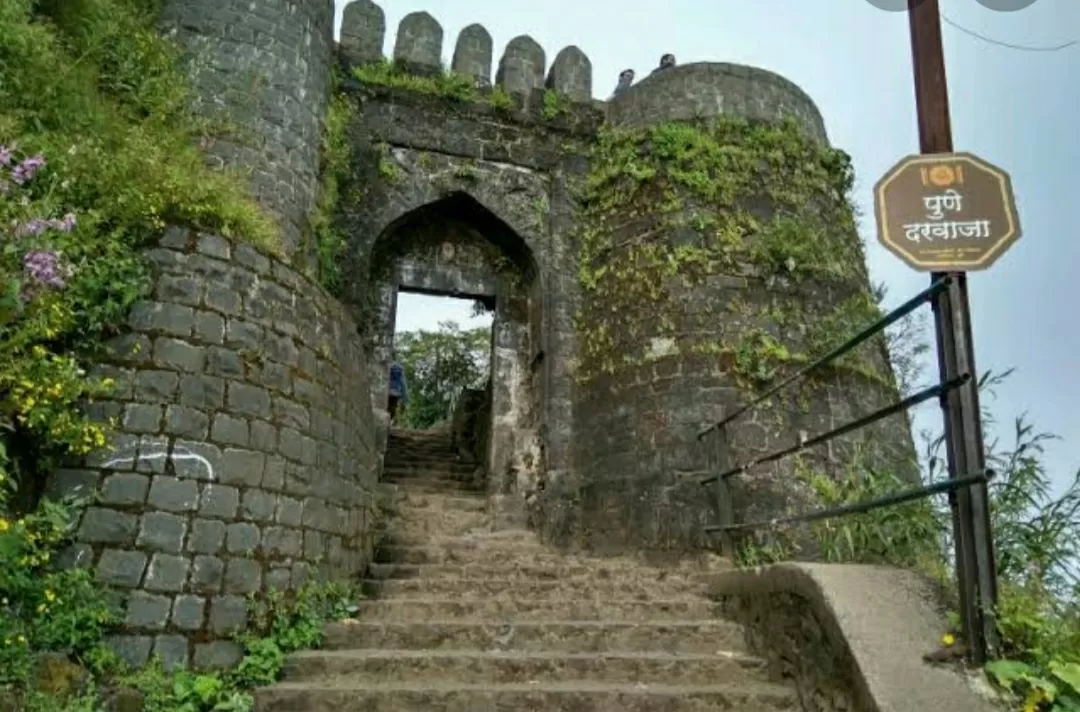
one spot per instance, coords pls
(418, 46)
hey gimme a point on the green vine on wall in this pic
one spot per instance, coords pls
(668, 207)
(329, 241)
(456, 87)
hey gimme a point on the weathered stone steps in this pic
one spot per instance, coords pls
(487, 554)
(695, 637)
(472, 667)
(538, 610)
(420, 500)
(467, 588)
(520, 571)
(432, 485)
(566, 697)
(466, 619)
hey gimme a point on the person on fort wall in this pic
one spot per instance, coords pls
(666, 62)
(398, 388)
(626, 76)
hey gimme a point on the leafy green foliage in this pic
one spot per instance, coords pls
(393, 74)
(43, 610)
(329, 240)
(439, 365)
(97, 154)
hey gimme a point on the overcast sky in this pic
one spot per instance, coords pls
(1017, 109)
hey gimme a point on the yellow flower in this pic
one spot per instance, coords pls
(49, 596)
(41, 608)
(21, 638)
(948, 639)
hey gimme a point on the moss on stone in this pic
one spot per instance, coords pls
(668, 207)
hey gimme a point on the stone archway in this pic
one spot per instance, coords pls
(454, 246)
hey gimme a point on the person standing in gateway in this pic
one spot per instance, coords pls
(398, 390)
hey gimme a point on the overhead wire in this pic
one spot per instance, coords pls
(1009, 45)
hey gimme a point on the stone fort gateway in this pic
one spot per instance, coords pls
(650, 261)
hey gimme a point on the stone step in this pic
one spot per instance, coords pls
(420, 525)
(427, 470)
(552, 569)
(433, 485)
(516, 555)
(469, 588)
(416, 501)
(501, 537)
(570, 696)
(537, 609)
(515, 667)
(691, 637)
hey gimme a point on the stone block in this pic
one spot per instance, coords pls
(196, 460)
(107, 526)
(242, 576)
(166, 573)
(281, 542)
(161, 317)
(177, 355)
(290, 512)
(145, 610)
(120, 568)
(248, 400)
(173, 494)
(230, 430)
(243, 468)
(161, 531)
(73, 483)
(242, 538)
(217, 655)
(132, 649)
(209, 327)
(188, 612)
(153, 386)
(142, 418)
(258, 506)
(207, 574)
(202, 391)
(186, 422)
(228, 614)
(124, 489)
(207, 536)
(219, 501)
(172, 650)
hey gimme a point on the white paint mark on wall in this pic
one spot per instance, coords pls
(179, 454)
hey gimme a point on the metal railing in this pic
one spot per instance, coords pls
(720, 456)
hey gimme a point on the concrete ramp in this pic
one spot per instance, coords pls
(851, 636)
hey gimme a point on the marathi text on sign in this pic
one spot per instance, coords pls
(947, 211)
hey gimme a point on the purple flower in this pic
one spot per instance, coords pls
(5, 155)
(43, 266)
(34, 227)
(25, 171)
(66, 223)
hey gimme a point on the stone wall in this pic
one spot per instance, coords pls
(244, 455)
(264, 67)
(802, 648)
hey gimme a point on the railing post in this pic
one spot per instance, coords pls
(719, 460)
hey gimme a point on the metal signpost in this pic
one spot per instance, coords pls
(949, 213)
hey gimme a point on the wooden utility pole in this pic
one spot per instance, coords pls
(975, 564)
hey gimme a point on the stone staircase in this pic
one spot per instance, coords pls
(465, 619)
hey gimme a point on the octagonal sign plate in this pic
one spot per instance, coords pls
(946, 212)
